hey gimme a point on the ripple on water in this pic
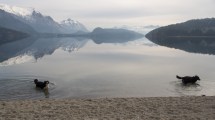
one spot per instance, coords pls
(23, 87)
(180, 89)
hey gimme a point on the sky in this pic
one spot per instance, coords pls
(111, 13)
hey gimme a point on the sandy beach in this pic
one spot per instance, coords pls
(156, 108)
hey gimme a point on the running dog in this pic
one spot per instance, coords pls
(42, 85)
(188, 79)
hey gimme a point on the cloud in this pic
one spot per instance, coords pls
(124, 11)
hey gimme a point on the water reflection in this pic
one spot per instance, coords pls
(203, 45)
(11, 49)
(113, 39)
(131, 69)
(31, 49)
(188, 89)
(45, 91)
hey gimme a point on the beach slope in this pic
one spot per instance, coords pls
(160, 108)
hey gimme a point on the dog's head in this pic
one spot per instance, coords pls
(35, 81)
(197, 77)
(46, 82)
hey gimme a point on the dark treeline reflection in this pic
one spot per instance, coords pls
(100, 40)
(39, 47)
(202, 45)
(100, 35)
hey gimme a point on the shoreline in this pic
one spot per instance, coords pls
(177, 108)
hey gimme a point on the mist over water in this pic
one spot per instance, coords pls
(82, 68)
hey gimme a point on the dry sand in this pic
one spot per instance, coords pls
(158, 108)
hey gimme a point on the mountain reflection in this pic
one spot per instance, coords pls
(100, 40)
(202, 45)
(32, 48)
(100, 35)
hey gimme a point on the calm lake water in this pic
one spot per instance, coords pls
(82, 68)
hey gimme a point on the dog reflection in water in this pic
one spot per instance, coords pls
(188, 79)
(43, 86)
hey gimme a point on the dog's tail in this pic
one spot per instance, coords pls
(178, 77)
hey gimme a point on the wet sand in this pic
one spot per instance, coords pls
(156, 108)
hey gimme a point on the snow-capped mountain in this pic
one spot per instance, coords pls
(40, 22)
(73, 26)
(17, 10)
(8, 21)
(33, 18)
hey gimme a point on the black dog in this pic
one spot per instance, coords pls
(41, 85)
(188, 79)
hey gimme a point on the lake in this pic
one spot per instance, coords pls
(84, 68)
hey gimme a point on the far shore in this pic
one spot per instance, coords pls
(151, 108)
(191, 36)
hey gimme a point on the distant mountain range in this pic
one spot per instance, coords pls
(33, 23)
(32, 19)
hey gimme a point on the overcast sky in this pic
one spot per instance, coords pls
(109, 13)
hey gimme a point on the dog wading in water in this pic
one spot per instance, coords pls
(188, 79)
(42, 85)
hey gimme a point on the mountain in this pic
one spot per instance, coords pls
(72, 26)
(7, 20)
(191, 28)
(8, 35)
(100, 35)
(41, 23)
(195, 36)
